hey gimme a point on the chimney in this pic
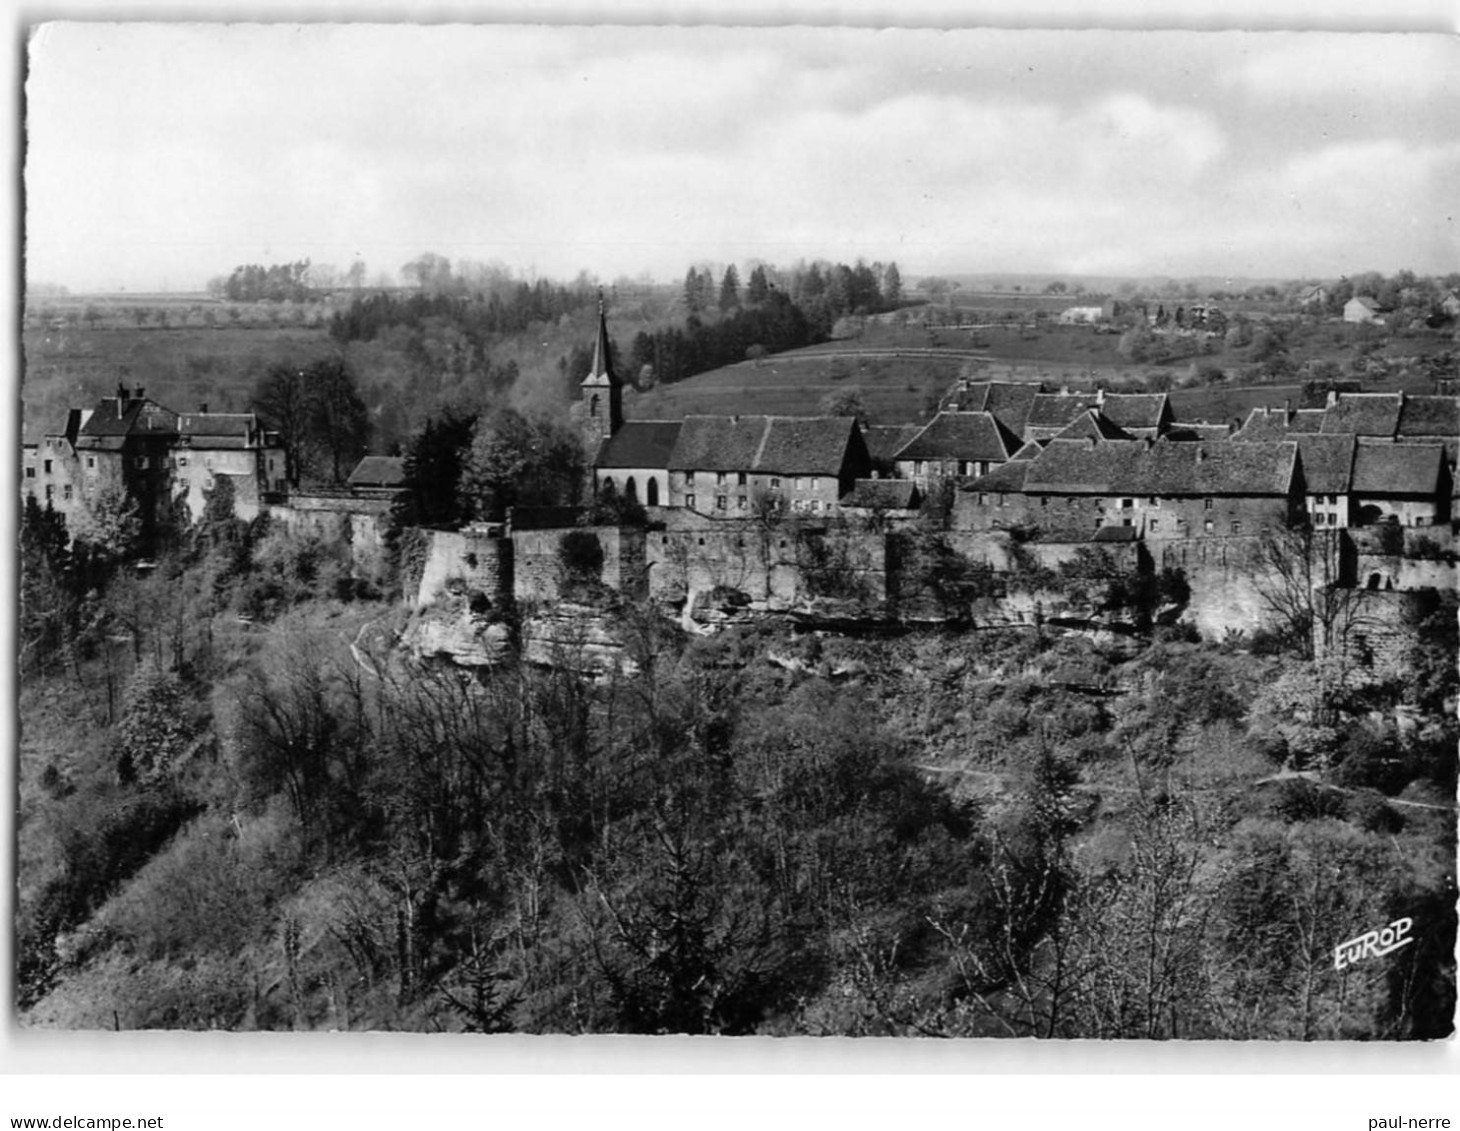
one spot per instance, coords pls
(1100, 396)
(1287, 410)
(121, 399)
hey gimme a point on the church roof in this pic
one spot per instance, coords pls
(640, 443)
(601, 372)
(963, 436)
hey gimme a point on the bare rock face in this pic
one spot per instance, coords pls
(576, 638)
(450, 630)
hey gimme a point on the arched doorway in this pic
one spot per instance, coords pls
(651, 494)
(631, 491)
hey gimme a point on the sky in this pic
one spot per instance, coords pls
(159, 155)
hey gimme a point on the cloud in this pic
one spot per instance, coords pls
(1315, 67)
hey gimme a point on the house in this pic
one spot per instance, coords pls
(124, 444)
(1408, 484)
(884, 441)
(721, 465)
(211, 445)
(1375, 415)
(1094, 425)
(1164, 490)
(1360, 309)
(1314, 297)
(1142, 415)
(1430, 419)
(1328, 463)
(1450, 304)
(955, 445)
(1009, 401)
(1076, 315)
(378, 476)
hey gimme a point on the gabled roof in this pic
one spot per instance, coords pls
(1430, 416)
(1263, 424)
(1094, 425)
(884, 441)
(1306, 421)
(1328, 463)
(1366, 302)
(134, 416)
(640, 443)
(1007, 478)
(1010, 401)
(817, 445)
(379, 471)
(788, 445)
(1198, 430)
(1137, 410)
(961, 436)
(1364, 414)
(1055, 411)
(1398, 469)
(1081, 468)
(216, 423)
(883, 494)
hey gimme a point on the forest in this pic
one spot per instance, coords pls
(243, 806)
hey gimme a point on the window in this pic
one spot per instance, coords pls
(1333, 500)
(1206, 504)
(66, 492)
(182, 461)
(50, 491)
(1127, 522)
(689, 501)
(1044, 500)
(719, 479)
(983, 500)
(689, 478)
(48, 467)
(1155, 525)
(741, 502)
(1209, 526)
(797, 504)
(999, 500)
(141, 463)
(91, 463)
(740, 479)
(1154, 501)
(963, 466)
(1127, 504)
(1236, 528)
(721, 503)
(30, 473)
(1333, 520)
(775, 483)
(920, 467)
(816, 505)
(1096, 503)
(800, 484)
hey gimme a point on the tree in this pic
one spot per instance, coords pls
(730, 290)
(759, 288)
(892, 286)
(1303, 589)
(435, 459)
(519, 461)
(846, 402)
(282, 399)
(338, 419)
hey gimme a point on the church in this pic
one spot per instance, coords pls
(716, 466)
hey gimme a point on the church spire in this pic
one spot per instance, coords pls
(602, 371)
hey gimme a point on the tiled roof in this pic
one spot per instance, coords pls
(791, 445)
(139, 416)
(1137, 410)
(640, 443)
(886, 494)
(1007, 478)
(1057, 410)
(1008, 400)
(1263, 424)
(1081, 468)
(1094, 425)
(1430, 416)
(216, 423)
(884, 441)
(1030, 450)
(1198, 430)
(379, 471)
(1364, 414)
(1327, 463)
(1306, 421)
(1398, 469)
(961, 435)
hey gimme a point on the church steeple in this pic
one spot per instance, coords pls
(600, 407)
